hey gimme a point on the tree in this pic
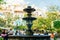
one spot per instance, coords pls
(56, 24)
(2, 2)
(38, 23)
(10, 19)
(52, 15)
(2, 22)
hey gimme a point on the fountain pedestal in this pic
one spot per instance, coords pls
(29, 19)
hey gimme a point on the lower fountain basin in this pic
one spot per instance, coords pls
(32, 37)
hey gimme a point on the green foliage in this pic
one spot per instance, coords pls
(0, 30)
(2, 2)
(52, 15)
(25, 14)
(56, 24)
(38, 23)
(2, 22)
(58, 30)
(21, 27)
(10, 19)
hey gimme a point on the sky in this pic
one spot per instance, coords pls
(37, 3)
(43, 3)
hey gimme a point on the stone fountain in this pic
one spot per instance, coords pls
(29, 19)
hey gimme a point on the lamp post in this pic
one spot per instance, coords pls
(29, 19)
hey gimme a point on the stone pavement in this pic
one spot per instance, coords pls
(58, 38)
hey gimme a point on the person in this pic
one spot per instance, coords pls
(10, 32)
(46, 33)
(22, 32)
(16, 33)
(4, 34)
(36, 32)
(52, 36)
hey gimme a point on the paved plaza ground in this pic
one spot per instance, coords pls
(58, 38)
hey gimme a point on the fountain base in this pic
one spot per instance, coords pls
(32, 37)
